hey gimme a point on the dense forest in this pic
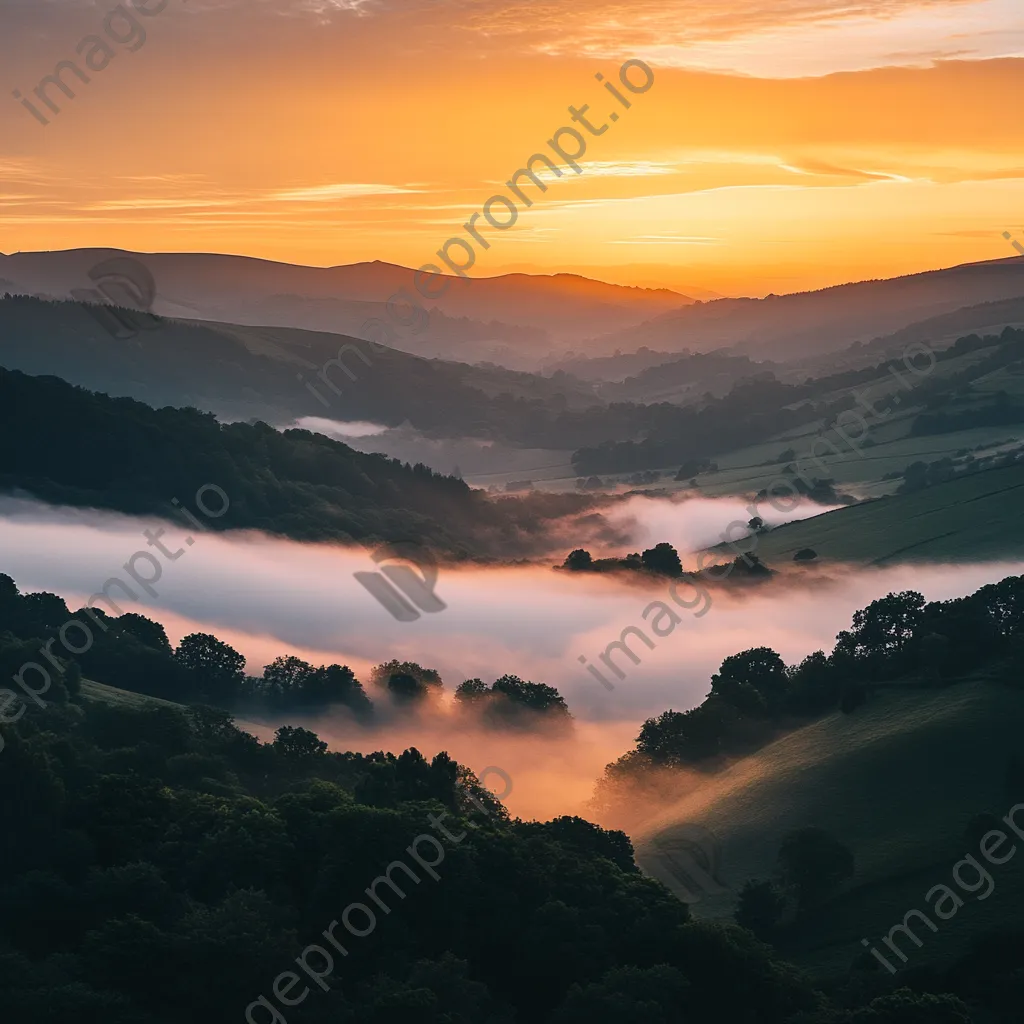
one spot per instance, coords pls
(160, 866)
(66, 445)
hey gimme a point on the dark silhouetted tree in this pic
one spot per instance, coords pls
(662, 558)
(216, 668)
(813, 864)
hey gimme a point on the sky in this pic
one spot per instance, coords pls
(782, 144)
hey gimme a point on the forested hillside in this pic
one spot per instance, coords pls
(66, 445)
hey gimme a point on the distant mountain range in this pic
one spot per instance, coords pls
(516, 319)
(530, 321)
(808, 324)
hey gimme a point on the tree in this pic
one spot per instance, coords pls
(760, 908)
(814, 685)
(907, 1007)
(883, 633)
(426, 679)
(44, 611)
(587, 838)
(814, 864)
(579, 560)
(759, 667)
(534, 696)
(298, 744)
(854, 695)
(662, 558)
(151, 633)
(337, 684)
(471, 692)
(651, 995)
(284, 679)
(683, 737)
(217, 668)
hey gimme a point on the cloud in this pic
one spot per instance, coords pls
(339, 191)
(769, 38)
(666, 240)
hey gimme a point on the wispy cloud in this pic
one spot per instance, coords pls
(319, 193)
(666, 240)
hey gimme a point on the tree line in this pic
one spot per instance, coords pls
(755, 695)
(132, 652)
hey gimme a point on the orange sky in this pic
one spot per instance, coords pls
(785, 144)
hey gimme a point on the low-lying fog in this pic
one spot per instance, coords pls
(268, 597)
(482, 463)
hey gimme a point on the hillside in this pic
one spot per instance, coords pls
(66, 445)
(242, 372)
(978, 517)
(516, 317)
(811, 323)
(897, 782)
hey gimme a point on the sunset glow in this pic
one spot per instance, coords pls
(782, 146)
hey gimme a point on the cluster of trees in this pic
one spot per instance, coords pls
(694, 467)
(662, 560)
(900, 636)
(132, 652)
(509, 702)
(160, 865)
(1002, 411)
(919, 475)
(513, 702)
(822, 491)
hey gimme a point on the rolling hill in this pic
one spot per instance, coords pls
(976, 517)
(803, 324)
(514, 318)
(897, 782)
(241, 372)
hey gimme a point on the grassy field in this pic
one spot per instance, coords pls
(112, 695)
(977, 517)
(897, 782)
(888, 447)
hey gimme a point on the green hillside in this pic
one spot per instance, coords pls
(101, 693)
(978, 517)
(897, 782)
